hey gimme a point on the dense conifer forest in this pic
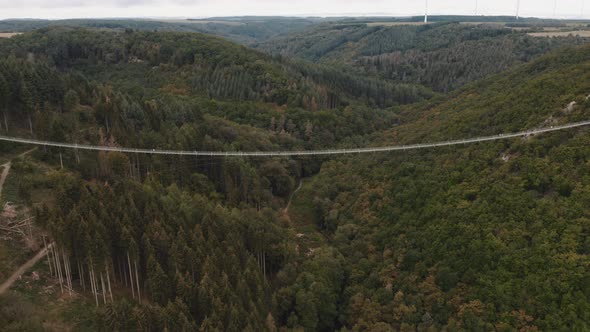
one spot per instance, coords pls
(490, 236)
(442, 56)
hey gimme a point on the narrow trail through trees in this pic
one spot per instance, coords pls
(286, 209)
(308, 236)
(6, 168)
(4, 175)
(31, 262)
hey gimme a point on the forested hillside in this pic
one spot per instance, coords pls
(147, 226)
(490, 236)
(192, 63)
(442, 56)
(175, 90)
(244, 30)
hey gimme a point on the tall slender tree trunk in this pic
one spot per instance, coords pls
(5, 122)
(70, 273)
(114, 269)
(122, 272)
(91, 283)
(67, 272)
(52, 258)
(104, 293)
(65, 268)
(31, 124)
(81, 274)
(51, 263)
(48, 259)
(94, 286)
(59, 274)
(264, 262)
(130, 275)
(138, 168)
(109, 283)
(55, 269)
(137, 280)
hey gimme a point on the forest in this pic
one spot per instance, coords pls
(490, 236)
(243, 30)
(442, 56)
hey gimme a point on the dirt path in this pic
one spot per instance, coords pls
(21, 270)
(4, 175)
(25, 153)
(6, 285)
(286, 209)
(6, 169)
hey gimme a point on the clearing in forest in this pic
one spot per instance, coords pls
(9, 34)
(301, 217)
(21, 270)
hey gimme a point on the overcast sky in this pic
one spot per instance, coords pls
(55, 9)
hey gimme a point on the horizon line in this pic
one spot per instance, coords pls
(319, 15)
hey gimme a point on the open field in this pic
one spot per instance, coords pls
(581, 33)
(486, 23)
(547, 29)
(230, 23)
(498, 24)
(576, 24)
(392, 24)
(9, 34)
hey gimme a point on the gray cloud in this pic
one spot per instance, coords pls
(204, 8)
(77, 3)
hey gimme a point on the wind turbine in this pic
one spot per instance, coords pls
(554, 9)
(517, 9)
(426, 13)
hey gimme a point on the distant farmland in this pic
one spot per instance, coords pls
(581, 33)
(392, 24)
(189, 21)
(8, 34)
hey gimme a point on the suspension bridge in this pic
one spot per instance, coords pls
(343, 151)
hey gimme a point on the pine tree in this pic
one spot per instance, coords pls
(25, 98)
(4, 96)
(308, 130)
(314, 104)
(71, 101)
(157, 281)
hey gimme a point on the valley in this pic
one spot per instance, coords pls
(336, 174)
